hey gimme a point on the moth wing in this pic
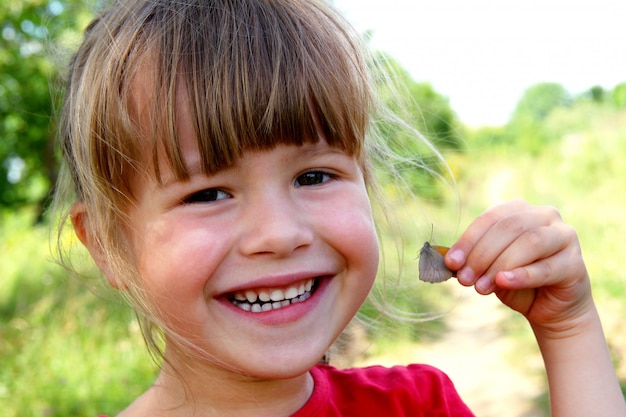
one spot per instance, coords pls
(431, 265)
(441, 249)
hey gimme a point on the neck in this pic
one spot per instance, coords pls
(203, 389)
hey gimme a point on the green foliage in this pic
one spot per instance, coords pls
(418, 103)
(579, 170)
(539, 100)
(63, 352)
(400, 306)
(619, 95)
(544, 115)
(416, 107)
(28, 165)
(525, 129)
(597, 94)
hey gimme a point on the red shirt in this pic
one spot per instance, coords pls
(414, 390)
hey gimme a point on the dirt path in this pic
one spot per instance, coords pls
(481, 360)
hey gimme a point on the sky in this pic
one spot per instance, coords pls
(484, 54)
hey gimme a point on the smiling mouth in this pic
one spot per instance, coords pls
(267, 299)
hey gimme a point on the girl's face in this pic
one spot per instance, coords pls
(261, 265)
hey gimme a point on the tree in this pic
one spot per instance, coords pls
(424, 110)
(32, 34)
(526, 130)
(619, 95)
(597, 93)
(539, 100)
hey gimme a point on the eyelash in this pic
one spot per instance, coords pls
(313, 175)
(206, 196)
(307, 179)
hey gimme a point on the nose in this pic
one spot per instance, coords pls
(275, 224)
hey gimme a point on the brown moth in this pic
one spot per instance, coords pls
(431, 266)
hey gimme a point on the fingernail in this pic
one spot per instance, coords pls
(465, 276)
(457, 257)
(483, 285)
(509, 276)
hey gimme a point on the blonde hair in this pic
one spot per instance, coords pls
(255, 73)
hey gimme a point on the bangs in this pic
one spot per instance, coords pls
(254, 74)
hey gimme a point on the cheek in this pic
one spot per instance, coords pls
(354, 235)
(357, 243)
(177, 259)
(365, 252)
(176, 266)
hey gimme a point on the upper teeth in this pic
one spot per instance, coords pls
(272, 298)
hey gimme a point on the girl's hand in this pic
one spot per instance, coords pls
(531, 260)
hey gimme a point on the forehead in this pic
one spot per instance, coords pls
(264, 92)
(172, 144)
(142, 94)
(164, 125)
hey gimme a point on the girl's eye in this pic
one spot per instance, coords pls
(312, 178)
(206, 196)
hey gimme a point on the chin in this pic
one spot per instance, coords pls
(285, 368)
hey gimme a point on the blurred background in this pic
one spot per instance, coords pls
(524, 99)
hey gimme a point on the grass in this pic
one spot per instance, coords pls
(63, 351)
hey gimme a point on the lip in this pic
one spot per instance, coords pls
(287, 314)
(275, 281)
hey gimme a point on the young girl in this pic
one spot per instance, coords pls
(219, 153)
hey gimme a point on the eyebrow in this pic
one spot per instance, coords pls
(193, 167)
(316, 149)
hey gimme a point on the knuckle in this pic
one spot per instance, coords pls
(512, 224)
(534, 237)
(547, 269)
(569, 234)
(552, 213)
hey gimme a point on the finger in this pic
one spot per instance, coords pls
(457, 255)
(538, 274)
(564, 268)
(562, 271)
(535, 275)
(542, 288)
(536, 243)
(504, 226)
(531, 246)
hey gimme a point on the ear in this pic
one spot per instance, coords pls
(87, 235)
